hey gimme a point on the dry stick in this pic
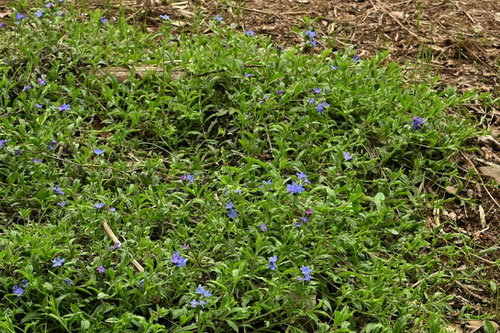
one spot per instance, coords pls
(275, 14)
(470, 291)
(463, 11)
(397, 21)
(481, 179)
(113, 237)
(483, 259)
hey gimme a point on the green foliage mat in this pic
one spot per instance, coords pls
(291, 185)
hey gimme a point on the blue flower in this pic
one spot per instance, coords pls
(1, 25)
(230, 205)
(233, 214)
(202, 291)
(49, 5)
(194, 303)
(250, 33)
(3, 142)
(311, 34)
(298, 224)
(305, 219)
(112, 209)
(317, 90)
(355, 58)
(141, 283)
(272, 262)
(20, 16)
(62, 204)
(26, 88)
(41, 81)
(99, 205)
(347, 156)
(68, 281)
(311, 101)
(57, 190)
(58, 262)
(18, 291)
(39, 105)
(99, 151)
(218, 18)
(302, 175)
(322, 106)
(52, 144)
(104, 20)
(268, 182)
(306, 271)
(202, 303)
(101, 269)
(164, 17)
(295, 188)
(263, 227)
(36, 160)
(248, 75)
(24, 283)
(63, 107)
(39, 13)
(190, 178)
(334, 67)
(178, 260)
(417, 123)
(280, 92)
(313, 43)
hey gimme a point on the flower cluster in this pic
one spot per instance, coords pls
(306, 271)
(178, 260)
(233, 213)
(304, 219)
(311, 35)
(189, 177)
(417, 123)
(203, 293)
(272, 262)
(295, 188)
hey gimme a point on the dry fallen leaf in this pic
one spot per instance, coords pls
(491, 171)
(472, 326)
(454, 328)
(451, 189)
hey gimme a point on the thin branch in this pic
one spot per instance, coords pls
(113, 237)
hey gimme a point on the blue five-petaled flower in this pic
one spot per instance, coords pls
(294, 188)
(178, 260)
(58, 262)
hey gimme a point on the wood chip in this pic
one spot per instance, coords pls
(482, 216)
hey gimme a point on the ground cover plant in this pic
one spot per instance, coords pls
(259, 188)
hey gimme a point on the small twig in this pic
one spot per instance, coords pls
(397, 21)
(115, 240)
(463, 11)
(481, 179)
(295, 13)
(489, 262)
(470, 291)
